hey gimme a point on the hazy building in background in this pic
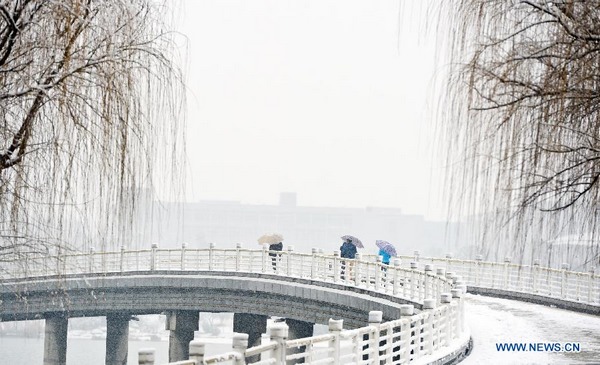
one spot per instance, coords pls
(226, 223)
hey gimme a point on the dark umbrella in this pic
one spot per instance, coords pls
(387, 247)
(355, 241)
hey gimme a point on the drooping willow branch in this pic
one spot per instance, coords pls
(90, 101)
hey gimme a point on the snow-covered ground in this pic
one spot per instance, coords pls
(495, 321)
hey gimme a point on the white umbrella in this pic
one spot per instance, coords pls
(270, 238)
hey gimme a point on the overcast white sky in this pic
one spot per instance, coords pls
(325, 98)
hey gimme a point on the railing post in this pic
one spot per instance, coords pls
(183, 247)
(58, 252)
(478, 260)
(417, 255)
(313, 264)
(591, 284)
(429, 305)
(535, 275)
(357, 267)
(459, 328)
(91, 260)
(449, 275)
(26, 266)
(578, 286)
(288, 265)
(427, 281)
(265, 256)
(321, 267)
(396, 263)
(406, 311)
(336, 266)
(446, 298)
(238, 256)
(146, 357)
(506, 273)
(122, 258)
(211, 254)
(462, 286)
(448, 258)
(564, 279)
(154, 247)
(375, 318)
(239, 345)
(378, 268)
(197, 351)
(335, 327)
(279, 334)
(265, 339)
(413, 281)
(441, 272)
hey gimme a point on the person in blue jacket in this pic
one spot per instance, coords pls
(385, 257)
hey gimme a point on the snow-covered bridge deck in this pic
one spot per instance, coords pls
(497, 321)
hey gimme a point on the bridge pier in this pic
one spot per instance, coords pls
(182, 325)
(55, 340)
(117, 339)
(299, 329)
(252, 324)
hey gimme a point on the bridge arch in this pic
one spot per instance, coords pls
(154, 292)
(314, 287)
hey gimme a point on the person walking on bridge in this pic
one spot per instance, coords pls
(275, 241)
(348, 250)
(386, 251)
(274, 257)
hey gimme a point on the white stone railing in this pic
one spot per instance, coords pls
(563, 284)
(402, 278)
(432, 334)
(437, 331)
(404, 282)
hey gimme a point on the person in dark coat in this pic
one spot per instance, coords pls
(347, 251)
(275, 247)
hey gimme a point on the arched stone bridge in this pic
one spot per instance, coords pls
(304, 288)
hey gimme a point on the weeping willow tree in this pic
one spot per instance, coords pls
(90, 102)
(523, 122)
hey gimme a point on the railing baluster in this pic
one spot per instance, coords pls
(211, 250)
(238, 256)
(591, 285)
(182, 259)
(336, 266)
(505, 285)
(239, 345)
(564, 280)
(413, 280)
(378, 269)
(313, 264)
(396, 269)
(335, 327)
(375, 318)
(153, 256)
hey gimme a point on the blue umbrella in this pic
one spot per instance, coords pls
(386, 247)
